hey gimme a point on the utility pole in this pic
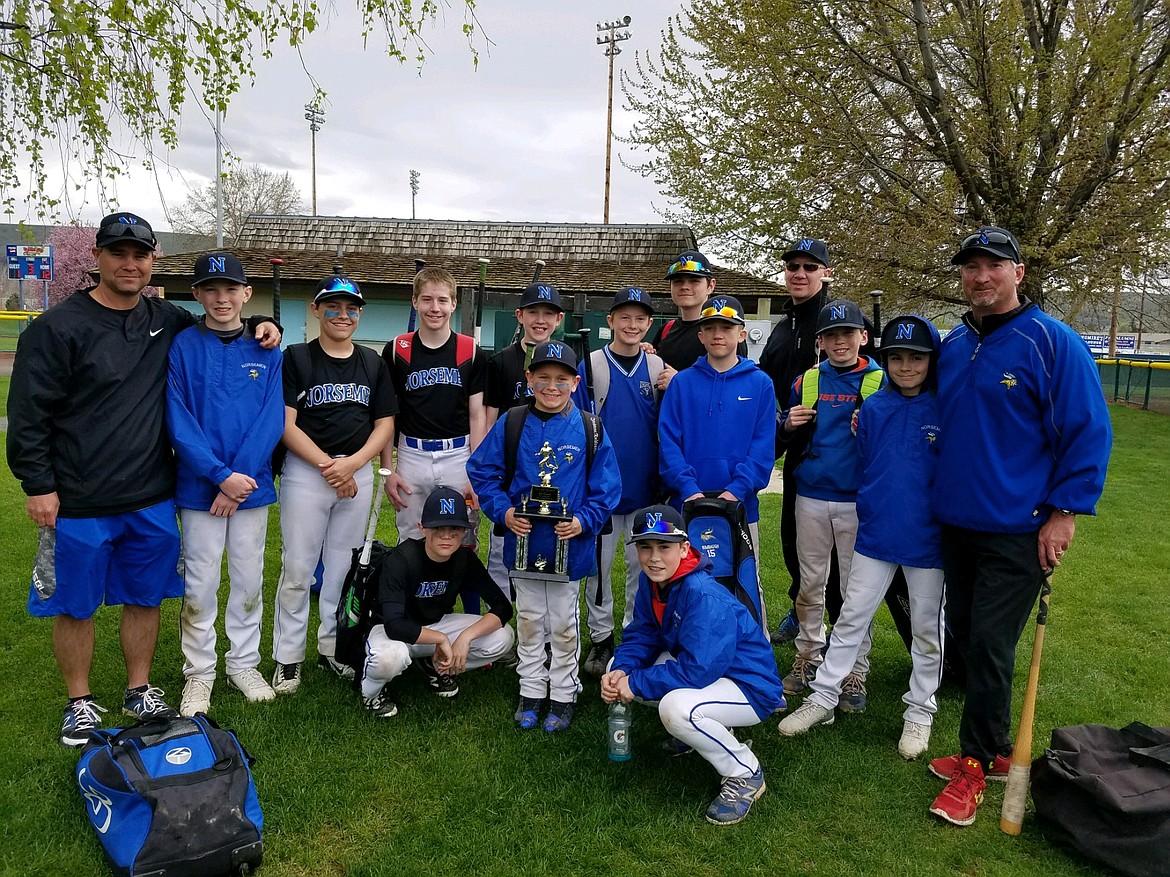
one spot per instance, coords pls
(414, 177)
(613, 36)
(218, 160)
(316, 119)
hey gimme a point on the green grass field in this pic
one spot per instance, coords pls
(452, 788)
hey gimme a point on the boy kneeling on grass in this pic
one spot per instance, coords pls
(421, 580)
(696, 651)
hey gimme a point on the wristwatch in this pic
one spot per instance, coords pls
(1071, 514)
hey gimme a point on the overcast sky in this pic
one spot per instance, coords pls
(520, 139)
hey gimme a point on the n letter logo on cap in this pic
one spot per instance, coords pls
(446, 506)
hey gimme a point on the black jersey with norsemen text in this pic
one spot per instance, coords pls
(432, 389)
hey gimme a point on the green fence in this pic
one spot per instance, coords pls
(1140, 382)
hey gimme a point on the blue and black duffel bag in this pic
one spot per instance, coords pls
(172, 797)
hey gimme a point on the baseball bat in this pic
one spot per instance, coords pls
(276, 263)
(536, 270)
(588, 360)
(1015, 796)
(379, 495)
(483, 263)
(419, 264)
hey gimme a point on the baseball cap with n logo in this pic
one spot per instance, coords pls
(445, 507)
(840, 314)
(659, 523)
(219, 266)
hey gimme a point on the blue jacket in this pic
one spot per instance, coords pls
(717, 431)
(592, 503)
(831, 468)
(630, 413)
(225, 413)
(898, 443)
(1024, 423)
(711, 636)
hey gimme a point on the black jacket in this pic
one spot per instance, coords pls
(86, 405)
(792, 347)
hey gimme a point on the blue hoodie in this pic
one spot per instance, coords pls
(898, 440)
(225, 414)
(717, 431)
(591, 501)
(1024, 421)
(831, 468)
(711, 636)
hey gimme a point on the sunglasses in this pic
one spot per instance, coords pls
(806, 267)
(341, 285)
(353, 312)
(688, 266)
(991, 237)
(127, 230)
(726, 312)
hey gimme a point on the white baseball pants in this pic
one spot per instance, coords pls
(548, 612)
(820, 525)
(387, 659)
(423, 471)
(600, 615)
(204, 539)
(314, 524)
(850, 642)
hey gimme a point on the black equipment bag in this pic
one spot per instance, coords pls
(718, 530)
(172, 797)
(1105, 794)
(358, 607)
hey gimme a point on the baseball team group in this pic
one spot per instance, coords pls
(148, 441)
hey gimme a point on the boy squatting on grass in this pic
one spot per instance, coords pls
(548, 608)
(827, 480)
(625, 399)
(421, 580)
(225, 414)
(697, 653)
(897, 440)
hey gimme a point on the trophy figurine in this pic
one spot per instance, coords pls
(542, 504)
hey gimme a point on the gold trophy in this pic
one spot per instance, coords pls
(542, 504)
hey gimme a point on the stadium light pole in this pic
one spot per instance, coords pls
(316, 117)
(613, 34)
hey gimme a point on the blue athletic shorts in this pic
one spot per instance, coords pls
(129, 558)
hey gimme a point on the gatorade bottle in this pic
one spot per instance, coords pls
(619, 731)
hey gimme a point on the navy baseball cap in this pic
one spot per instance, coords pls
(813, 247)
(659, 523)
(692, 263)
(541, 294)
(445, 507)
(908, 332)
(722, 307)
(554, 351)
(219, 266)
(632, 295)
(338, 286)
(125, 227)
(840, 314)
(991, 240)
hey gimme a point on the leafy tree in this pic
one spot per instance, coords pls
(891, 128)
(247, 190)
(90, 81)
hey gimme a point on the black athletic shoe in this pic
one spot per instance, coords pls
(440, 683)
(600, 654)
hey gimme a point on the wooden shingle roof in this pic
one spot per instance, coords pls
(428, 239)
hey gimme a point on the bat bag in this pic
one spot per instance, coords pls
(1104, 794)
(718, 530)
(172, 797)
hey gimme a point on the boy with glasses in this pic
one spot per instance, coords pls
(339, 413)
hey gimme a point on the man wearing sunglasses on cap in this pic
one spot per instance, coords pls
(86, 438)
(1026, 440)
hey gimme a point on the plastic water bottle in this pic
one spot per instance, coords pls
(44, 577)
(619, 731)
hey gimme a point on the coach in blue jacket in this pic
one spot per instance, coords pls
(1025, 442)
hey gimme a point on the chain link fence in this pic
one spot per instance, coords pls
(1141, 382)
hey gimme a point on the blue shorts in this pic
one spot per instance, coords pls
(131, 558)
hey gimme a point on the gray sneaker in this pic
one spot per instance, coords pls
(735, 798)
(853, 699)
(328, 662)
(803, 672)
(807, 715)
(252, 685)
(146, 702)
(196, 697)
(286, 679)
(600, 654)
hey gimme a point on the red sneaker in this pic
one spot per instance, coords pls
(961, 797)
(944, 768)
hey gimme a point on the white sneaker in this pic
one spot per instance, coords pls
(915, 739)
(807, 715)
(252, 685)
(196, 697)
(286, 678)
